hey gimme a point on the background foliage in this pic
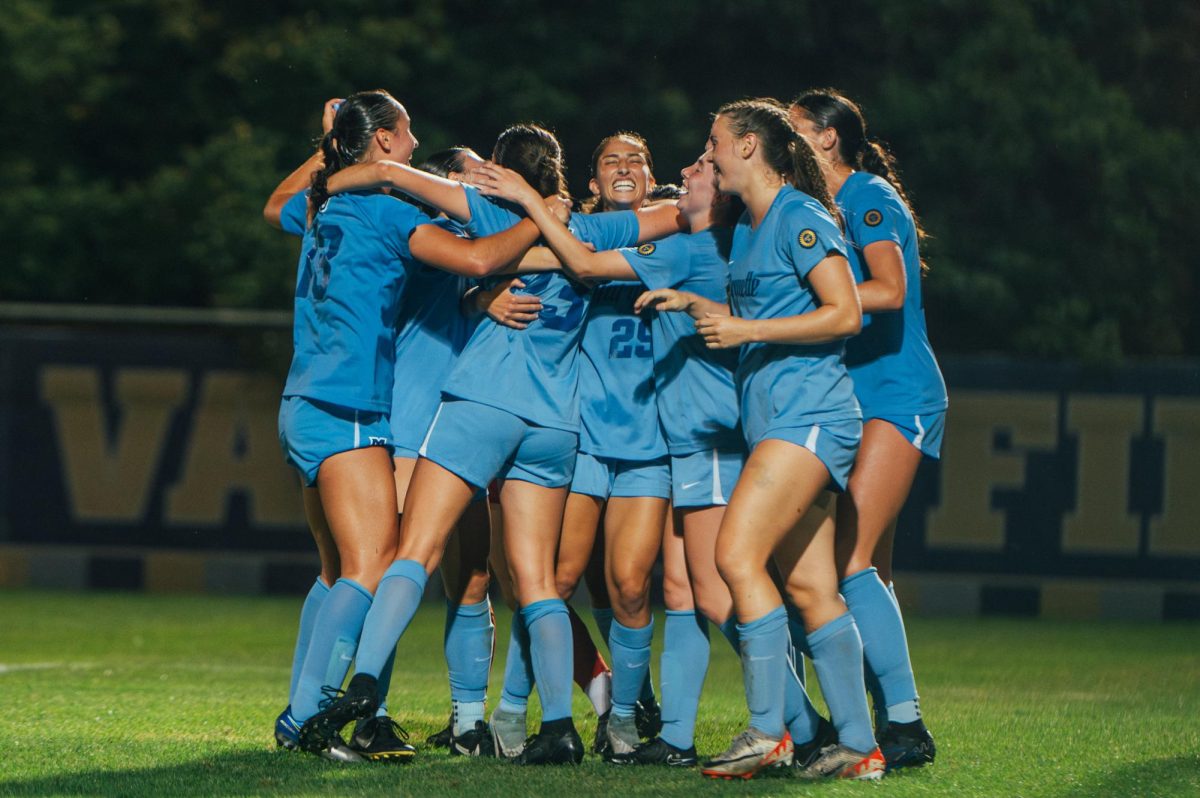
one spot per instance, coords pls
(1050, 145)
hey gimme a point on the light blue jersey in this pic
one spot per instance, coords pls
(617, 406)
(352, 273)
(534, 373)
(786, 385)
(697, 401)
(294, 216)
(891, 362)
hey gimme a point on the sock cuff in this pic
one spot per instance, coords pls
(772, 621)
(320, 586)
(729, 628)
(632, 637)
(350, 583)
(473, 610)
(855, 581)
(681, 613)
(838, 624)
(540, 609)
(411, 570)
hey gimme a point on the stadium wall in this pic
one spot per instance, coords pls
(139, 450)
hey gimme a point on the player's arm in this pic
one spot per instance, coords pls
(659, 221)
(476, 257)
(301, 178)
(445, 195)
(503, 305)
(889, 282)
(839, 316)
(671, 300)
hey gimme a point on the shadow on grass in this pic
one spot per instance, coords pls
(1152, 778)
(240, 773)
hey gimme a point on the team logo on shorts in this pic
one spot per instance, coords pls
(646, 249)
(807, 238)
(872, 218)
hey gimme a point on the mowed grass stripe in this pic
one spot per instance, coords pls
(133, 695)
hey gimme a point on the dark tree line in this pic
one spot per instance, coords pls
(1050, 146)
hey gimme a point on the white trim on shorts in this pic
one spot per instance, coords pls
(810, 443)
(429, 432)
(920, 439)
(718, 496)
(357, 437)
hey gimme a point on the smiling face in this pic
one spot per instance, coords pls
(721, 151)
(623, 176)
(699, 185)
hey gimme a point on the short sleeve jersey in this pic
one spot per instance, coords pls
(354, 265)
(788, 385)
(697, 401)
(891, 361)
(294, 216)
(534, 373)
(431, 334)
(617, 407)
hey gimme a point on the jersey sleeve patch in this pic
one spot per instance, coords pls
(872, 218)
(807, 238)
(646, 249)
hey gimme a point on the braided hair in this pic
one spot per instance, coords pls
(348, 140)
(785, 151)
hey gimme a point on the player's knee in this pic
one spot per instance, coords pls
(734, 569)
(677, 595)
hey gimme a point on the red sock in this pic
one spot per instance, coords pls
(588, 661)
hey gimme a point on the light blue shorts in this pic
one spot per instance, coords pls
(923, 431)
(834, 443)
(705, 478)
(311, 431)
(479, 443)
(609, 477)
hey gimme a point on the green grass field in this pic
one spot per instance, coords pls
(119, 694)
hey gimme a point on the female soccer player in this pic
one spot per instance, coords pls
(510, 410)
(903, 398)
(794, 299)
(359, 252)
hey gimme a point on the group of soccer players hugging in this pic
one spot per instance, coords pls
(732, 373)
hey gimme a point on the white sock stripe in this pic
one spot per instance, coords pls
(429, 432)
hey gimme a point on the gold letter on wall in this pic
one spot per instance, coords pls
(972, 468)
(111, 480)
(1177, 530)
(235, 406)
(1101, 523)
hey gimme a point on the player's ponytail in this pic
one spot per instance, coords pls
(826, 108)
(348, 140)
(784, 151)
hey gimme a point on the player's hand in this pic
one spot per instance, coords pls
(663, 299)
(724, 332)
(507, 308)
(330, 111)
(494, 180)
(560, 206)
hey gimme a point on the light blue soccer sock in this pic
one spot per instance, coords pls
(764, 644)
(384, 684)
(552, 655)
(518, 668)
(468, 646)
(604, 622)
(799, 646)
(884, 645)
(683, 666)
(308, 616)
(335, 635)
(729, 628)
(630, 649)
(396, 603)
(838, 660)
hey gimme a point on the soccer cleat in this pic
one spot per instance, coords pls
(600, 741)
(556, 744)
(442, 738)
(381, 739)
(649, 719)
(904, 745)
(327, 744)
(840, 762)
(338, 708)
(658, 752)
(622, 736)
(474, 742)
(287, 731)
(750, 752)
(804, 755)
(508, 733)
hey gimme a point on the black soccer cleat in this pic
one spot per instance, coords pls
(338, 708)
(658, 752)
(600, 743)
(556, 744)
(804, 755)
(476, 741)
(907, 745)
(649, 719)
(442, 738)
(327, 744)
(381, 739)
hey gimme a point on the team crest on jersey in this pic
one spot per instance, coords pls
(872, 218)
(807, 238)
(646, 249)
